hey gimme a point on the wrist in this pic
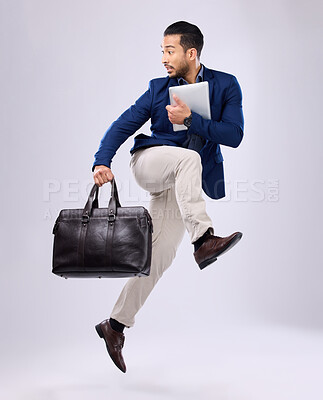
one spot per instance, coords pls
(188, 121)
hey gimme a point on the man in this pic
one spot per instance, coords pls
(173, 167)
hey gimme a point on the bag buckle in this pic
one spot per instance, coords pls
(85, 219)
(111, 217)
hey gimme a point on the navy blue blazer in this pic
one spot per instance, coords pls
(224, 128)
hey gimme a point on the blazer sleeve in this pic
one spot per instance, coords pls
(126, 125)
(228, 131)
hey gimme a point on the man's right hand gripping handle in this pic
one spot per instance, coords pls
(102, 174)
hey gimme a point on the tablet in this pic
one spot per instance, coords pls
(196, 96)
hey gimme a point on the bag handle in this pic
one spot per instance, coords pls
(93, 202)
(114, 199)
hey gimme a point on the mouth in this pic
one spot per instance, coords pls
(169, 69)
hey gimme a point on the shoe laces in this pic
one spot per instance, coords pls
(120, 343)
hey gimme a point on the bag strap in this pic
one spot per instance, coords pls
(92, 202)
(89, 204)
(114, 202)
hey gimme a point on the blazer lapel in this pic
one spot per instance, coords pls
(208, 76)
(173, 82)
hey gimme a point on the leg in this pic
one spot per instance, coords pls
(173, 177)
(158, 168)
(182, 167)
(167, 235)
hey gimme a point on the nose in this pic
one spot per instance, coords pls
(164, 58)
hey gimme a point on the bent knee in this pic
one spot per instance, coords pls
(192, 159)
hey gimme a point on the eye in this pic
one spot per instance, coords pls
(170, 52)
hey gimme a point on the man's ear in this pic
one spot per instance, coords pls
(192, 53)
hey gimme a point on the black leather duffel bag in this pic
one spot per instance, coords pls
(113, 242)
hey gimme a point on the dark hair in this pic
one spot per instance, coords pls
(191, 36)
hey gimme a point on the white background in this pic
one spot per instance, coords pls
(249, 326)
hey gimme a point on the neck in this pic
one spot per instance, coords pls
(190, 77)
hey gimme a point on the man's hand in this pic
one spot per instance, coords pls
(178, 112)
(102, 174)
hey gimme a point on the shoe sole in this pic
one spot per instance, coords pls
(229, 246)
(100, 333)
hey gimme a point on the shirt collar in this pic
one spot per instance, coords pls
(199, 78)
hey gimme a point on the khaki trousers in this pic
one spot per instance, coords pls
(173, 177)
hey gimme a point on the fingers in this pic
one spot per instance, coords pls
(170, 114)
(177, 113)
(102, 175)
(171, 117)
(178, 100)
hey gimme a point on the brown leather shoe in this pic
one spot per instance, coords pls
(114, 341)
(215, 246)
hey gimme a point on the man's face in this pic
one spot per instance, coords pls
(174, 58)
